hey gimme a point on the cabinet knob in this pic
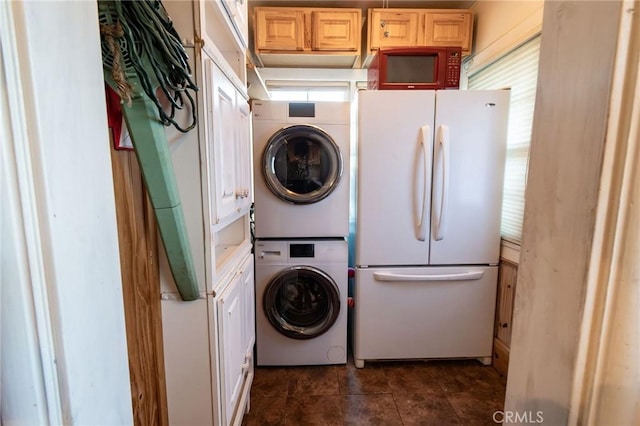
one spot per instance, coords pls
(386, 33)
(382, 24)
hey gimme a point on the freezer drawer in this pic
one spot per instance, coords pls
(425, 312)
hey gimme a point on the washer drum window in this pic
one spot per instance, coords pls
(302, 302)
(301, 164)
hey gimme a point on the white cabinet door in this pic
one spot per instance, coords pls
(236, 325)
(221, 140)
(228, 144)
(239, 13)
(249, 334)
(244, 153)
(231, 315)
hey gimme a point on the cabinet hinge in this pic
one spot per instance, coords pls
(199, 42)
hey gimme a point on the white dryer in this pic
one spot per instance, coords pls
(301, 302)
(301, 169)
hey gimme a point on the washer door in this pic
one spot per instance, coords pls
(302, 302)
(301, 164)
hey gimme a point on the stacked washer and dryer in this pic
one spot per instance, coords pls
(301, 175)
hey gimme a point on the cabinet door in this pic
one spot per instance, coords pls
(238, 12)
(221, 140)
(231, 318)
(507, 279)
(448, 29)
(243, 146)
(249, 305)
(335, 30)
(393, 28)
(278, 29)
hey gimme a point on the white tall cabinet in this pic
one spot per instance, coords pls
(208, 343)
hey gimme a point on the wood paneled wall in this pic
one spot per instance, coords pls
(137, 237)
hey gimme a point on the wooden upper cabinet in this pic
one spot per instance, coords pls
(448, 29)
(393, 28)
(307, 37)
(420, 27)
(335, 30)
(279, 29)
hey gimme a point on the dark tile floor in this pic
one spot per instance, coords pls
(412, 393)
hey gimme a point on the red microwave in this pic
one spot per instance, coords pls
(419, 68)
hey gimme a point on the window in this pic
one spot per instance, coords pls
(312, 92)
(517, 70)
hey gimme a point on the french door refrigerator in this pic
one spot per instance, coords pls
(429, 198)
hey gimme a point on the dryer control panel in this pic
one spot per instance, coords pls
(301, 112)
(307, 251)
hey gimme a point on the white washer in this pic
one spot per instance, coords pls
(301, 302)
(301, 169)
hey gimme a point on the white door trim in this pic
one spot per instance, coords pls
(19, 154)
(61, 218)
(605, 382)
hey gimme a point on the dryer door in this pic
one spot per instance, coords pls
(302, 302)
(301, 164)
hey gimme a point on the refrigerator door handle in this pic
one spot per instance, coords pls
(443, 151)
(425, 142)
(463, 276)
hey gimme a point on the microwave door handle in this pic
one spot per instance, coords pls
(425, 145)
(441, 213)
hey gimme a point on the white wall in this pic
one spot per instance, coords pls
(63, 341)
(500, 26)
(496, 19)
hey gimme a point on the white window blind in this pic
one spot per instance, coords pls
(517, 70)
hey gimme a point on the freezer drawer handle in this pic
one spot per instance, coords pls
(464, 276)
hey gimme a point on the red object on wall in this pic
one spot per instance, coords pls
(115, 120)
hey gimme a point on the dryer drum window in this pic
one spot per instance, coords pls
(301, 164)
(302, 302)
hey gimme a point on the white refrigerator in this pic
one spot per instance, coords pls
(429, 199)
